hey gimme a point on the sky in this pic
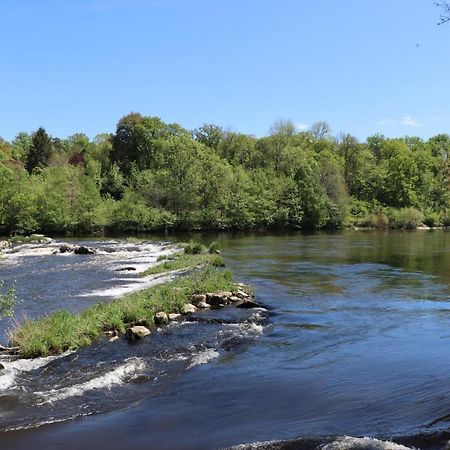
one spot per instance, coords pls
(364, 66)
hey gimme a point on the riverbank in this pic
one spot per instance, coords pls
(62, 330)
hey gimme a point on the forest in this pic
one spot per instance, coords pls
(151, 176)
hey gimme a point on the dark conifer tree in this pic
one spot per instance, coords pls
(40, 151)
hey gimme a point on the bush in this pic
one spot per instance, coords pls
(194, 248)
(377, 220)
(406, 218)
(432, 219)
(214, 248)
(218, 261)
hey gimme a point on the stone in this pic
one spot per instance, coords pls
(224, 294)
(198, 298)
(124, 269)
(189, 308)
(241, 294)
(161, 318)
(2, 367)
(203, 305)
(137, 332)
(114, 339)
(245, 303)
(82, 250)
(175, 316)
(66, 248)
(216, 300)
(234, 299)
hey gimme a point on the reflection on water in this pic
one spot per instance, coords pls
(357, 343)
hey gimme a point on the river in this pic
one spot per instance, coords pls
(354, 341)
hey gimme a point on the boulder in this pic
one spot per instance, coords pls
(82, 250)
(234, 299)
(216, 300)
(241, 294)
(125, 269)
(245, 303)
(175, 316)
(161, 318)
(198, 298)
(2, 367)
(224, 294)
(67, 248)
(137, 332)
(114, 339)
(189, 308)
(203, 305)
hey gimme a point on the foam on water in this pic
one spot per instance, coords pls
(116, 377)
(133, 285)
(14, 368)
(204, 357)
(365, 443)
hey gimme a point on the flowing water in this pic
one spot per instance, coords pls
(355, 341)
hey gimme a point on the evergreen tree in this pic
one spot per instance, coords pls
(40, 151)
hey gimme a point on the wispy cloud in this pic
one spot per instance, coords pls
(407, 121)
(300, 126)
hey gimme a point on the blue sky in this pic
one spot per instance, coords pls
(365, 66)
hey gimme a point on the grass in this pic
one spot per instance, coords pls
(195, 255)
(63, 330)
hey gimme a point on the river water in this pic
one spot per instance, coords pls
(354, 341)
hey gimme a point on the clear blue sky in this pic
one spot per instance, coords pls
(365, 66)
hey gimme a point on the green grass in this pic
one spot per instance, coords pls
(63, 331)
(184, 261)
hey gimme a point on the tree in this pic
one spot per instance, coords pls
(445, 15)
(40, 151)
(320, 130)
(209, 135)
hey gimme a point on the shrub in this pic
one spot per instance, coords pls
(406, 218)
(431, 219)
(214, 248)
(218, 261)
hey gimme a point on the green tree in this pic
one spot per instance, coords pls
(40, 151)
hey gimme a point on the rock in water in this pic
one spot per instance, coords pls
(161, 318)
(245, 303)
(198, 298)
(2, 367)
(203, 305)
(189, 308)
(137, 332)
(125, 269)
(82, 250)
(175, 316)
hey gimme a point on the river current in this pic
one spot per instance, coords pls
(352, 349)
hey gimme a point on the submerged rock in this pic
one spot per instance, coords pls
(124, 269)
(161, 318)
(137, 332)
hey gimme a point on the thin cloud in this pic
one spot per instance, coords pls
(408, 121)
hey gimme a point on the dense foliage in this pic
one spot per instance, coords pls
(153, 176)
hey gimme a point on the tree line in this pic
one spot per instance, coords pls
(153, 176)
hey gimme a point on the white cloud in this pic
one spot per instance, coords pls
(300, 126)
(408, 121)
